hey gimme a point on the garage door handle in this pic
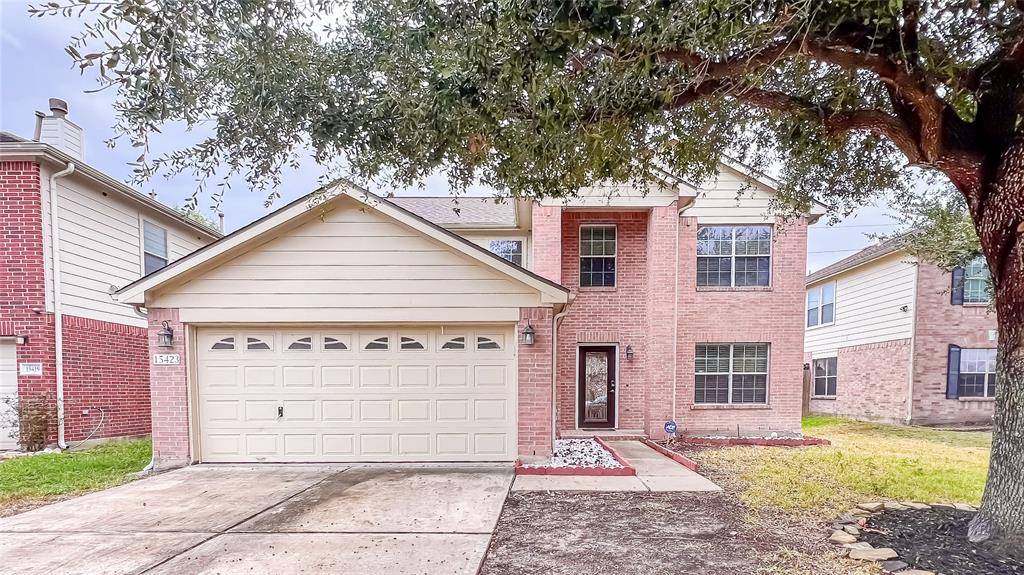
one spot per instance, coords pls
(280, 411)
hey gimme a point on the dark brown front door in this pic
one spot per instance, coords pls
(596, 384)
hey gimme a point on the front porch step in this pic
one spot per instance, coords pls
(603, 433)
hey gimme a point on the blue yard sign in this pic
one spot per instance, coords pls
(670, 427)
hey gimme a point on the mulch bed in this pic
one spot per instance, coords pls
(936, 540)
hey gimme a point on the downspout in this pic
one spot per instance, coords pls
(152, 456)
(555, 321)
(913, 345)
(58, 317)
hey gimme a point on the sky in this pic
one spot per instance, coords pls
(34, 67)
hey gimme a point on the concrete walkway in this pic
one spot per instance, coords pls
(654, 472)
(233, 519)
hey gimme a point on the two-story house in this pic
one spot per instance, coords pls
(890, 338)
(357, 328)
(70, 235)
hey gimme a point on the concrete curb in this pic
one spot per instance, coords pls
(673, 455)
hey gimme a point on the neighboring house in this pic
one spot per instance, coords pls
(107, 236)
(883, 326)
(361, 330)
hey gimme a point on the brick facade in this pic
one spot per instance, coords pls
(872, 382)
(169, 389)
(106, 378)
(772, 315)
(939, 324)
(534, 384)
(657, 309)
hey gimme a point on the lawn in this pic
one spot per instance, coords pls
(31, 480)
(865, 462)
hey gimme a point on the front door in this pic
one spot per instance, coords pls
(596, 386)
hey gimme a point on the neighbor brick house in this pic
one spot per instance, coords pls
(365, 329)
(883, 326)
(58, 267)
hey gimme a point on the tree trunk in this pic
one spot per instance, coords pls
(1002, 507)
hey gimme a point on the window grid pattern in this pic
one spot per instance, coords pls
(821, 305)
(734, 256)
(977, 373)
(731, 373)
(976, 280)
(511, 250)
(825, 376)
(597, 256)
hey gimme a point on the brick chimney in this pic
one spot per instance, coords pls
(60, 132)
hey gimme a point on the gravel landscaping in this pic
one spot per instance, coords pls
(579, 453)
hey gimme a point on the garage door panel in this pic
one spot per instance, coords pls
(393, 394)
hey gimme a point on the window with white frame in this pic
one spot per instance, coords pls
(976, 282)
(154, 247)
(511, 250)
(821, 305)
(597, 256)
(825, 376)
(977, 373)
(734, 256)
(731, 373)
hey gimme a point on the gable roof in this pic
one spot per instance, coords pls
(472, 212)
(15, 146)
(134, 293)
(870, 253)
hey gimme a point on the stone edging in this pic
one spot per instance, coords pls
(674, 455)
(761, 441)
(626, 470)
(847, 529)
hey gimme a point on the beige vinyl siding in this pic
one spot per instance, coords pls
(730, 198)
(101, 246)
(869, 299)
(608, 194)
(348, 265)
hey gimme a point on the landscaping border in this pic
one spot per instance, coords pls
(761, 441)
(674, 455)
(626, 470)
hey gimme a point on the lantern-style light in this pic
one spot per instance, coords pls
(629, 352)
(529, 335)
(165, 337)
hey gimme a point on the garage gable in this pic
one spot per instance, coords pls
(347, 261)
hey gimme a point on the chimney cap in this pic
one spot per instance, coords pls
(58, 107)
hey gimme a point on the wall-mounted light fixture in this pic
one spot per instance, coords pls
(529, 335)
(629, 353)
(165, 337)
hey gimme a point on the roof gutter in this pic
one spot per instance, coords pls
(58, 314)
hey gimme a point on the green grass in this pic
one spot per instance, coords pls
(866, 461)
(40, 477)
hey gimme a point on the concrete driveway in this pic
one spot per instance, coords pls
(278, 519)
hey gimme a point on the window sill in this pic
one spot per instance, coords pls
(733, 289)
(977, 399)
(824, 397)
(820, 325)
(599, 289)
(697, 406)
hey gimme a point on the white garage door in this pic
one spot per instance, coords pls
(344, 394)
(8, 394)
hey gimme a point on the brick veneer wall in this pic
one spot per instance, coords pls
(660, 360)
(106, 378)
(170, 398)
(606, 315)
(534, 385)
(939, 324)
(872, 382)
(746, 315)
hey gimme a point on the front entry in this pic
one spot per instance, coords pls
(596, 386)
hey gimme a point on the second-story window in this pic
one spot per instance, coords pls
(821, 304)
(511, 250)
(154, 247)
(597, 256)
(734, 256)
(976, 282)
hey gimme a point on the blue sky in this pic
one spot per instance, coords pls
(34, 67)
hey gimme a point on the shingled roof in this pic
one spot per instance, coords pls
(883, 248)
(461, 212)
